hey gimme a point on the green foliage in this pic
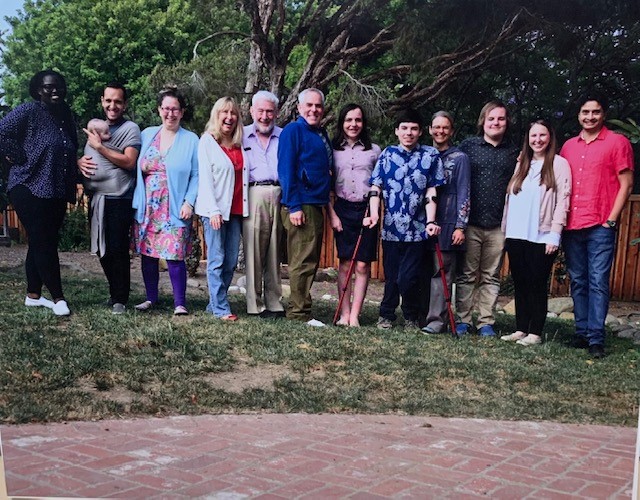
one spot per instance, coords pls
(74, 235)
(554, 51)
(629, 128)
(95, 41)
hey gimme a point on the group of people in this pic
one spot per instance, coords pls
(458, 208)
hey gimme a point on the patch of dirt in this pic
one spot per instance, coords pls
(116, 393)
(244, 376)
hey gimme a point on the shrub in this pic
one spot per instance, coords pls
(74, 235)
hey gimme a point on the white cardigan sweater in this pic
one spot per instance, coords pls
(217, 180)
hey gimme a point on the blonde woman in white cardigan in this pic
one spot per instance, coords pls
(222, 200)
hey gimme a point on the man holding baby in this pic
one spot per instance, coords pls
(108, 166)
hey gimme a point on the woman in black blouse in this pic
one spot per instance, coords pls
(39, 140)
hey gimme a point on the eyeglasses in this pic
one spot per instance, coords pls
(171, 111)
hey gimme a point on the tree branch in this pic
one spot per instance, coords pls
(216, 34)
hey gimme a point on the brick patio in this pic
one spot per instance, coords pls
(318, 456)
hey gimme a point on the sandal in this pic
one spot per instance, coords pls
(144, 306)
(229, 317)
(180, 311)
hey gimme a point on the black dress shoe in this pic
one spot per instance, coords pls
(266, 314)
(580, 343)
(597, 351)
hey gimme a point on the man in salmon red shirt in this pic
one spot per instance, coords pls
(602, 170)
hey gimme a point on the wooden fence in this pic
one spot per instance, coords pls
(625, 275)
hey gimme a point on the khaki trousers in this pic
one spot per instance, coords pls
(303, 249)
(261, 233)
(479, 280)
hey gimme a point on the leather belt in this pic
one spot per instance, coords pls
(264, 183)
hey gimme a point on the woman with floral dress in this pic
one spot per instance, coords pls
(165, 194)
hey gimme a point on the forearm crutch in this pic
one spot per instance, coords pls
(447, 295)
(350, 271)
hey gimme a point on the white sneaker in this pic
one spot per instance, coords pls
(514, 336)
(530, 339)
(39, 302)
(61, 308)
(315, 322)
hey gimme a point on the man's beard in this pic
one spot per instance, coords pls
(264, 129)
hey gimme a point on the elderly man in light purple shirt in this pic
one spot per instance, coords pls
(262, 230)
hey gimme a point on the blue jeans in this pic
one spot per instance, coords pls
(223, 246)
(589, 254)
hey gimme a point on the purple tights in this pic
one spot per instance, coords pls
(177, 274)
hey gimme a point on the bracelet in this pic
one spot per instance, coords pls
(432, 222)
(372, 194)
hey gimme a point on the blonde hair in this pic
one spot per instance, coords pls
(213, 126)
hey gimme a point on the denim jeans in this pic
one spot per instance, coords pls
(589, 254)
(223, 246)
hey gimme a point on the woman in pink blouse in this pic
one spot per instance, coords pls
(354, 157)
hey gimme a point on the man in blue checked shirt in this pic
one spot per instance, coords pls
(407, 176)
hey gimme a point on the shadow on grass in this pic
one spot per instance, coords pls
(97, 365)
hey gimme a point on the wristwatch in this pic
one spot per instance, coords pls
(612, 224)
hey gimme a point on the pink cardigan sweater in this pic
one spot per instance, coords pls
(554, 203)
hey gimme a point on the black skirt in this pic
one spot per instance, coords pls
(351, 215)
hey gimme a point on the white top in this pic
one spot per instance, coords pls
(524, 211)
(217, 179)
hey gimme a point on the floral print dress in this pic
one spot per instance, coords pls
(155, 235)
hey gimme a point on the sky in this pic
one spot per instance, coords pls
(8, 8)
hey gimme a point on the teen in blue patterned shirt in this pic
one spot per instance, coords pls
(407, 176)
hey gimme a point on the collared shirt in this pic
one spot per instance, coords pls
(491, 170)
(595, 167)
(263, 163)
(453, 197)
(404, 177)
(43, 149)
(304, 165)
(352, 169)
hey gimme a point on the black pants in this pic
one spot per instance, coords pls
(404, 277)
(530, 268)
(118, 215)
(42, 219)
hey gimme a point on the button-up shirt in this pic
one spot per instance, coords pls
(595, 167)
(491, 169)
(453, 197)
(263, 163)
(42, 149)
(352, 170)
(404, 177)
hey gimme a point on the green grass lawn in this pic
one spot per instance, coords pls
(95, 365)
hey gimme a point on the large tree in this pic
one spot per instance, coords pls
(94, 41)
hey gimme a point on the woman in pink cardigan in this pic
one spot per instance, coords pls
(535, 213)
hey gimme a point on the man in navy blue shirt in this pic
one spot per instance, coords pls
(304, 165)
(407, 176)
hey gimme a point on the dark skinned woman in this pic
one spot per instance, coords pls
(39, 140)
